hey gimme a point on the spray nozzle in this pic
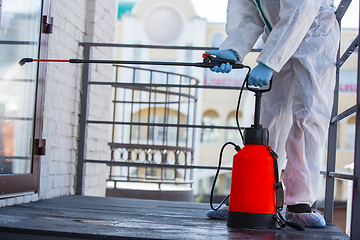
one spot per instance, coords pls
(25, 60)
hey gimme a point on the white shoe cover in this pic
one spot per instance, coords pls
(314, 219)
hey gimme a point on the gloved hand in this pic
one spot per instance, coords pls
(260, 75)
(225, 54)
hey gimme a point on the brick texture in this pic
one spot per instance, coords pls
(74, 22)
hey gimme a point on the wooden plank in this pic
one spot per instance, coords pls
(86, 217)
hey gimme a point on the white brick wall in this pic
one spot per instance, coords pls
(62, 97)
(18, 199)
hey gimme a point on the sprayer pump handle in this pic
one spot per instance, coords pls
(256, 89)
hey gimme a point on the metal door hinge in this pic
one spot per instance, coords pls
(47, 24)
(39, 146)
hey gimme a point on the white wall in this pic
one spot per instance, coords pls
(74, 22)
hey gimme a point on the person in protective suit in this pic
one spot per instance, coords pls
(301, 39)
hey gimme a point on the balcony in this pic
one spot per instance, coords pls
(158, 150)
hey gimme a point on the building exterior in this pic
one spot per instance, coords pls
(133, 28)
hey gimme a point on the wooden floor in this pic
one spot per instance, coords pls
(82, 217)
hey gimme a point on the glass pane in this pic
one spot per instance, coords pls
(350, 136)
(19, 38)
(210, 135)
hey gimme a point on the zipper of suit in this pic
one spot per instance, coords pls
(263, 15)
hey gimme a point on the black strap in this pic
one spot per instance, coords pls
(279, 192)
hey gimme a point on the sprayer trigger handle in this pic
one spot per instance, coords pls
(211, 61)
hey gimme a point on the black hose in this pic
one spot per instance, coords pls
(237, 148)
(238, 107)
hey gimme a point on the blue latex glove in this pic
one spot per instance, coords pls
(260, 75)
(225, 54)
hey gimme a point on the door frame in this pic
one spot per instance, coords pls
(20, 183)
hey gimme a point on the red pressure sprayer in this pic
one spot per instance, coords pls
(256, 195)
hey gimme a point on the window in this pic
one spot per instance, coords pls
(233, 135)
(350, 133)
(210, 135)
(348, 80)
(158, 134)
(135, 130)
(217, 39)
(163, 25)
(20, 37)
(188, 58)
(349, 41)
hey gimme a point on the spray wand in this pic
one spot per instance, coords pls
(209, 61)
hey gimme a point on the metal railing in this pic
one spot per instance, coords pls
(330, 173)
(141, 95)
(159, 132)
(146, 149)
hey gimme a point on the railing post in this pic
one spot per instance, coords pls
(83, 120)
(331, 153)
(355, 216)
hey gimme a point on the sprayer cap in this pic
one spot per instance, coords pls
(256, 136)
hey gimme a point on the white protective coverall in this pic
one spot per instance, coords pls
(301, 49)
